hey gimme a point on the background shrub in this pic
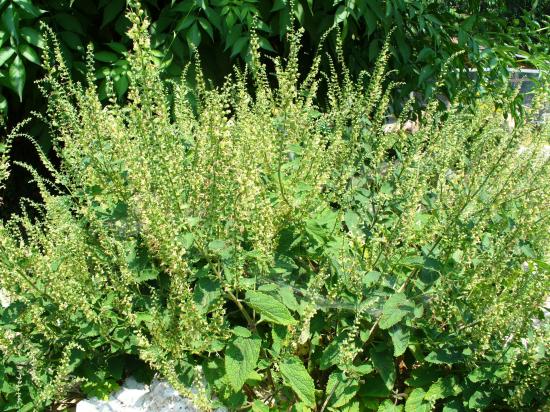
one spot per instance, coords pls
(425, 34)
(286, 252)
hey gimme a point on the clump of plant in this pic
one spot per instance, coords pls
(277, 254)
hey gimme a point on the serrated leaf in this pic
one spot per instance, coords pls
(363, 369)
(296, 376)
(343, 389)
(395, 309)
(400, 336)
(388, 406)
(443, 388)
(28, 53)
(331, 353)
(479, 400)
(453, 406)
(415, 402)
(241, 331)
(270, 308)
(241, 357)
(17, 76)
(384, 365)
(207, 291)
(444, 356)
(287, 296)
(423, 376)
(259, 406)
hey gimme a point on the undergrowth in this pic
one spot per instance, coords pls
(276, 254)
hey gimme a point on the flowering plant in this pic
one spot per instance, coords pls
(275, 252)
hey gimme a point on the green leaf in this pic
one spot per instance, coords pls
(3, 107)
(217, 245)
(424, 54)
(270, 308)
(400, 336)
(395, 309)
(423, 376)
(341, 14)
(259, 406)
(241, 357)
(388, 406)
(443, 388)
(487, 373)
(17, 76)
(479, 400)
(331, 353)
(106, 56)
(70, 23)
(239, 46)
(117, 47)
(184, 23)
(415, 402)
(287, 296)
(444, 356)
(193, 35)
(241, 331)
(5, 54)
(207, 292)
(363, 369)
(453, 406)
(32, 37)
(383, 362)
(121, 85)
(28, 53)
(27, 7)
(265, 44)
(296, 376)
(72, 40)
(343, 389)
(10, 19)
(207, 27)
(112, 10)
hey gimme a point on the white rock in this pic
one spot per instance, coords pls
(133, 396)
(4, 299)
(94, 405)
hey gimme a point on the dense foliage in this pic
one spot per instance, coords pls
(426, 33)
(493, 36)
(275, 253)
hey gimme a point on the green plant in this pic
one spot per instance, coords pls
(425, 35)
(19, 42)
(293, 256)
